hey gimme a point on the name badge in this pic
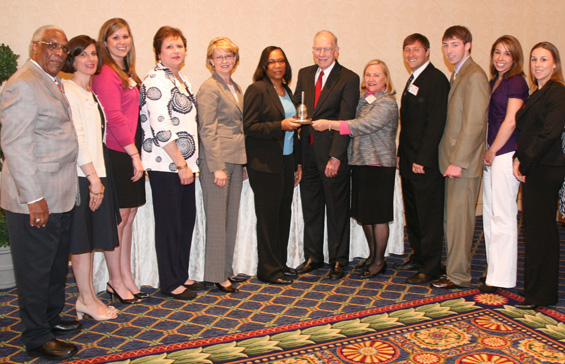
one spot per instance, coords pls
(413, 89)
(370, 99)
(132, 83)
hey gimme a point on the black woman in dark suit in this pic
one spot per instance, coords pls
(273, 160)
(539, 164)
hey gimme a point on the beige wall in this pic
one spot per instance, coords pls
(366, 29)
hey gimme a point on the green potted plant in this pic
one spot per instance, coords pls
(8, 66)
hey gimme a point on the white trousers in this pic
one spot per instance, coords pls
(500, 189)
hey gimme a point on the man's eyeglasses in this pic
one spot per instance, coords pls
(54, 45)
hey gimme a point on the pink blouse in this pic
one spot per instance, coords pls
(121, 107)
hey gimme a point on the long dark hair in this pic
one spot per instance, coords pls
(261, 70)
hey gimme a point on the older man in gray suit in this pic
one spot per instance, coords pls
(38, 191)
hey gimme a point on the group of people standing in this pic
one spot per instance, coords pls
(107, 126)
(442, 156)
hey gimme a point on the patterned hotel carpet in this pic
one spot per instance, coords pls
(160, 321)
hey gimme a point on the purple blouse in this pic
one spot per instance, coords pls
(514, 88)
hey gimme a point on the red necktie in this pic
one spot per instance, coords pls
(317, 93)
(318, 88)
(59, 86)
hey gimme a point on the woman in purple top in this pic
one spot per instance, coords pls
(117, 88)
(509, 90)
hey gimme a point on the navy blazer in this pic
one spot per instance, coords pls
(263, 113)
(539, 125)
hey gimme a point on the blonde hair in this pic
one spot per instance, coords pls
(108, 28)
(389, 87)
(223, 43)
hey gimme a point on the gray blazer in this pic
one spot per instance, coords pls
(220, 124)
(39, 143)
(373, 132)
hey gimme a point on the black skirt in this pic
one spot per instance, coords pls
(372, 194)
(130, 194)
(94, 230)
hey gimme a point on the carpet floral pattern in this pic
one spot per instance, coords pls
(467, 327)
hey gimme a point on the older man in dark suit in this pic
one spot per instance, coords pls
(39, 191)
(330, 92)
(423, 114)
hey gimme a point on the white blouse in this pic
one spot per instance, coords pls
(168, 113)
(88, 126)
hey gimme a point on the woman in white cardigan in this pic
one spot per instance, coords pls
(94, 220)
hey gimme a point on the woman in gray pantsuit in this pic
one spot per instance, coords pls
(222, 156)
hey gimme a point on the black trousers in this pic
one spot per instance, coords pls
(174, 208)
(423, 208)
(273, 200)
(541, 264)
(331, 196)
(41, 257)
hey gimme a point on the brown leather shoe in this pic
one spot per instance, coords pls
(419, 278)
(54, 349)
(444, 283)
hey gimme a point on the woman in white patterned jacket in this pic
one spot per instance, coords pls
(169, 154)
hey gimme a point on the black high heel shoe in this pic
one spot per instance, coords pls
(228, 289)
(141, 295)
(129, 301)
(367, 274)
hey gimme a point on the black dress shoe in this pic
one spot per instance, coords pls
(526, 306)
(66, 327)
(487, 289)
(337, 271)
(419, 278)
(237, 279)
(54, 350)
(290, 272)
(407, 265)
(185, 295)
(308, 266)
(228, 289)
(280, 280)
(196, 286)
(367, 273)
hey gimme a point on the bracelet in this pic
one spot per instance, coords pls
(99, 193)
(131, 155)
(182, 167)
(329, 126)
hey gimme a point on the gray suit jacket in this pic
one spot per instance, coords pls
(220, 124)
(463, 141)
(39, 143)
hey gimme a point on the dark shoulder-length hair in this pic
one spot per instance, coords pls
(557, 74)
(108, 28)
(77, 45)
(261, 70)
(515, 49)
